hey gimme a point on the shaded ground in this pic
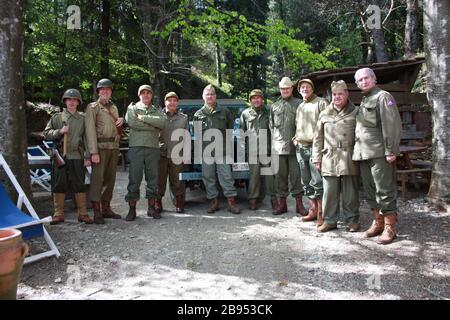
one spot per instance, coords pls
(254, 255)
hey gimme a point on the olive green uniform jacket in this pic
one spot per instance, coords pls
(306, 119)
(378, 126)
(145, 132)
(282, 124)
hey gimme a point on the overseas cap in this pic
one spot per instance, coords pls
(171, 95)
(286, 83)
(72, 93)
(145, 87)
(306, 81)
(338, 85)
(256, 92)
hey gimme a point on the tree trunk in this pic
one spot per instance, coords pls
(437, 48)
(218, 66)
(106, 25)
(411, 29)
(13, 135)
(378, 39)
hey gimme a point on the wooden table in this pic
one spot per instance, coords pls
(407, 170)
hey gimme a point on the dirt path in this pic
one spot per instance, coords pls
(251, 256)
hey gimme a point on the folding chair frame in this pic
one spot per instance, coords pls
(23, 199)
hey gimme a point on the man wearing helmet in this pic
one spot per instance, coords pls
(70, 177)
(102, 131)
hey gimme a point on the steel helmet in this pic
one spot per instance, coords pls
(72, 93)
(104, 83)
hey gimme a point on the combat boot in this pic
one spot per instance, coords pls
(299, 207)
(179, 205)
(232, 206)
(312, 207)
(326, 227)
(131, 216)
(282, 207)
(377, 225)
(151, 211)
(107, 211)
(158, 206)
(274, 202)
(98, 217)
(319, 212)
(390, 232)
(312, 215)
(252, 204)
(80, 199)
(58, 203)
(214, 206)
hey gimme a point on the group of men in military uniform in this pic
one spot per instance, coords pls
(320, 150)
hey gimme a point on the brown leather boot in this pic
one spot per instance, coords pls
(299, 207)
(319, 212)
(107, 211)
(312, 214)
(98, 217)
(179, 206)
(214, 206)
(390, 232)
(326, 227)
(131, 216)
(80, 199)
(158, 206)
(252, 204)
(274, 202)
(58, 204)
(151, 211)
(232, 206)
(312, 207)
(377, 225)
(282, 207)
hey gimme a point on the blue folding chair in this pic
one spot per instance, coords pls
(11, 216)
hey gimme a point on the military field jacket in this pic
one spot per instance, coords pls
(334, 140)
(220, 118)
(76, 138)
(101, 130)
(282, 125)
(145, 132)
(174, 121)
(306, 119)
(253, 122)
(378, 126)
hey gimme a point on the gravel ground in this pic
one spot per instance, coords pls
(254, 255)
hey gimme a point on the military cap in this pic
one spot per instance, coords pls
(145, 87)
(306, 81)
(72, 93)
(256, 92)
(171, 95)
(104, 83)
(338, 85)
(286, 82)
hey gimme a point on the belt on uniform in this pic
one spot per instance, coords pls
(106, 140)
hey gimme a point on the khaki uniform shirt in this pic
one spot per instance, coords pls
(282, 125)
(75, 137)
(334, 140)
(252, 121)
(306, 119)
(145, 132)
(174, 121)
(378, 126)
(101, 130)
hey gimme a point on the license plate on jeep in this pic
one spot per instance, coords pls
(240, 166)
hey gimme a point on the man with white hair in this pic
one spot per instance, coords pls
(214, 116)
(377, 145)
(282, 126)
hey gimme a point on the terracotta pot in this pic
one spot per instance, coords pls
(12, 252)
